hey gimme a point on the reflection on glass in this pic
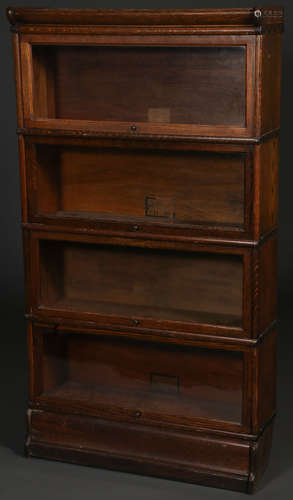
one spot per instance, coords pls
(157, 380)
(165, 187)
(187, 85)
(171, 285)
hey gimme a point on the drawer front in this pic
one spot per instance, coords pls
(154, 288)
(188, 190)
(148, 382)
(148, 85)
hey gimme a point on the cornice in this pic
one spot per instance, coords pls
(255, 20)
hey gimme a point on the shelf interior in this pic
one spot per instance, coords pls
(141, 84)
(150, 283)
(156, 379)
(174, 188)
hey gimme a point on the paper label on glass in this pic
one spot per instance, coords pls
(160, 115)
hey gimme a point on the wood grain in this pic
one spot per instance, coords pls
(148, 148)
(249, 17)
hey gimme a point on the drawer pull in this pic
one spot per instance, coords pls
(135, 322)
(133, 128)
(137, 414)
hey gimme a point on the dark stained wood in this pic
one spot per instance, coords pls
(63, 285)
(31, 361)
(137, 332)
(135, 182)
(265, 285)
(66, 372)
(85, 88)
(142, 232)
(266, 380)
(176, 141)
(148, 152)
(259, 453)
(268, 182)
(243, 183)
(102, 103)
(43, 83)
(146, 283)
(23, 172)
(201, 189)
(269, 82)
(249, 17)
(140, 380)
(258, 173)
(17, 76)
(197, 457)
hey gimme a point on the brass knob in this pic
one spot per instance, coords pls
(133, 128)
(137, 414)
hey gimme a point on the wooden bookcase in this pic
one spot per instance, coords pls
(148, 146)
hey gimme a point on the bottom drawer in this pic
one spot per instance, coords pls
(103, 375)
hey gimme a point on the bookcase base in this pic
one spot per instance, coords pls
(202, 458)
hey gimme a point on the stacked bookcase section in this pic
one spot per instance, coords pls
(148, 145)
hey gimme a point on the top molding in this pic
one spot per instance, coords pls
(250, 20)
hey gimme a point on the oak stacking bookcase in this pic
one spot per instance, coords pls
(148, 149)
